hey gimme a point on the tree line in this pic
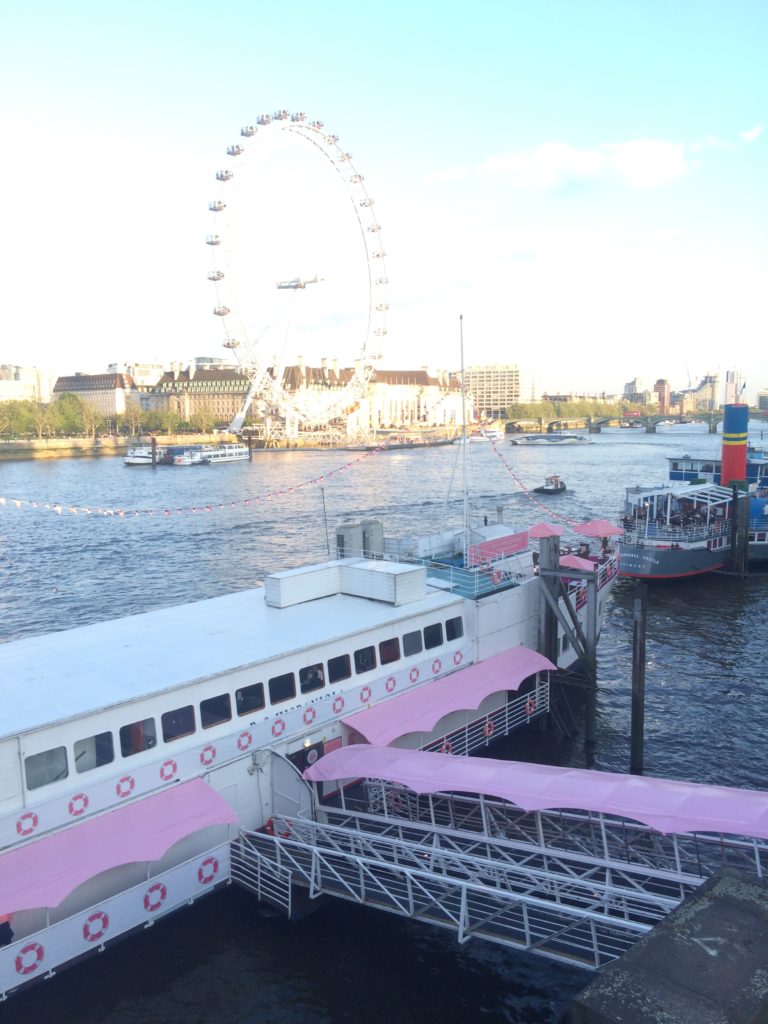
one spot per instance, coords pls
(72, 416)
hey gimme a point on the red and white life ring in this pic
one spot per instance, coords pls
(125, 786)
(25, 965)
(413, 675)
(390, 684)
(338, 705)
(446, 748)
(496, 577)
(27, 823)
(155, 896)
(101, 921)
(436, 666)
(208, 755)
(458, 657)
(278, 727)
(530, 706)
(78, 805)
(244, 740)
(168, 769)
(309, 716)
(365, 695)
(208, 870)
(488, 728)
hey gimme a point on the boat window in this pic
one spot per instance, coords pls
(339, 668)
(565, 644)
(215, 710)
(412, 643)
(282, 687)
(137, 736)
(433, 635)
(707, 467)
(178, 723)
(94, 751)
(389, 651)
(311, 678)
(250, 698)
(365, 660)
(46, 767)
(454, 628)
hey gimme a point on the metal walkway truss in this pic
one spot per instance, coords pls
(577, 888)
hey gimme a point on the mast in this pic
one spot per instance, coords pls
(464, 438)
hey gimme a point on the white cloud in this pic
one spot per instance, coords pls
(752, 133)
(639, 163)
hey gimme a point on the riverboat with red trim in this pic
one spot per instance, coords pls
(125, 781)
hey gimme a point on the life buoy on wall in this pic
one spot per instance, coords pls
(155, 896)
(530, 706)
(101, 922)
(488, 728)
(496, 577)
(446, 748)
(27, 823)
(25, 964)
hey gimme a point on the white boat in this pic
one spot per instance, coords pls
(202, 455)
(125, 782)
(547, 439)
(141, 455)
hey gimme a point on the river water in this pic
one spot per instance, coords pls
(204, 531)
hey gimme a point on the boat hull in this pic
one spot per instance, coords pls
(665, 563)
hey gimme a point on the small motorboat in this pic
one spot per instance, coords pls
(551, 485)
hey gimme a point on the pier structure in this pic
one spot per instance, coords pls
(571, 864)
(580, 886)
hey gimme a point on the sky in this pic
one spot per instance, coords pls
(584, 182)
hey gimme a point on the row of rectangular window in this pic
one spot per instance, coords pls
(94, 751)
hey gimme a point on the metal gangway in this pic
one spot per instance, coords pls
(576, 887)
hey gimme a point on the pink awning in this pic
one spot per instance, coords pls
(545, 530)
(661, 804)
(575, 562)
(419, 710)
(42, 873)
(599, 528)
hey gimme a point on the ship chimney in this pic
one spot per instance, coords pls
(734, 448)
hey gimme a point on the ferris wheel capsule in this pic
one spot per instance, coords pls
(301, 116)
(248, 131)
(216, 275)
(221, 311)
(224, 175)
(213, 240)
(235, 150)
(265, 119)
(217, 206)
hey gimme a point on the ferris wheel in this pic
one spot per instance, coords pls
(298, 270)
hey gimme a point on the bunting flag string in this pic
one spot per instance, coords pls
(62, 508)
(528, 493)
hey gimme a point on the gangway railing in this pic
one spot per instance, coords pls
(259, 874)
(574, 887)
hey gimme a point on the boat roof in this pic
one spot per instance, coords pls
(66, 675)
(710, 493)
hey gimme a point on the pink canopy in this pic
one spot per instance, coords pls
(599, 528)
(575, 562)
(42, 873)
(545, 530)
(661, 804)
(420, 709)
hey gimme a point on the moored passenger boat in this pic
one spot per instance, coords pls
(142, 455)
(546, 439)
(124, 782)
(202, 455)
